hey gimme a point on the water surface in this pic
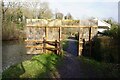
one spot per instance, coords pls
(13, 52)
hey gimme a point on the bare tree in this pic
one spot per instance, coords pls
(44, 11)
(6, 6)
(33, 7)
(36, 10)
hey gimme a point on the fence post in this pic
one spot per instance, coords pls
(59, 33)
(44, 45)
(80, 41)
(56, 47)
(89, 34)
(59, 40)
(59, 47)
(90, 39)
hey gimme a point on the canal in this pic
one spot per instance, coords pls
(13, 52)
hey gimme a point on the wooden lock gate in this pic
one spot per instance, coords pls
(44, 36)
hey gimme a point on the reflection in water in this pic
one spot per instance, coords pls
(13, 52)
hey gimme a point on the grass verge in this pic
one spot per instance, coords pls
(40, 66)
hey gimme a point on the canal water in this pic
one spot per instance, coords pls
(13, 52)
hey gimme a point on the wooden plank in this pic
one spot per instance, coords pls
(49, 49)
(52, 48)
(52, 40)
(81, 48)
(34, 47)
(39, 26)
(80, 42)
(39, 40)
(47, 45)
(65, 26)
(78, 26)
(50, 43)
(27, 20)
(33, 40)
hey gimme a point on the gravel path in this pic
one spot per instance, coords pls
(72, 47)
(72, 67)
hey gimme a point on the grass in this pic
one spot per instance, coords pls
(110, 70)
(40, 66)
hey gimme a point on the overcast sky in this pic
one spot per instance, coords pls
(81, 9)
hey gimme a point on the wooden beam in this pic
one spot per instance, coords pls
(33, 40)
(44, 45)
(34, 47)
(49, 48)
(72, 26)
(39, 40)
(65, 26)
(60, 33)
(81, 48)
(50, 43)
(89, 33)
(80, 42)
(39, 26)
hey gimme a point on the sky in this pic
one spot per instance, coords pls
(82, 9)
